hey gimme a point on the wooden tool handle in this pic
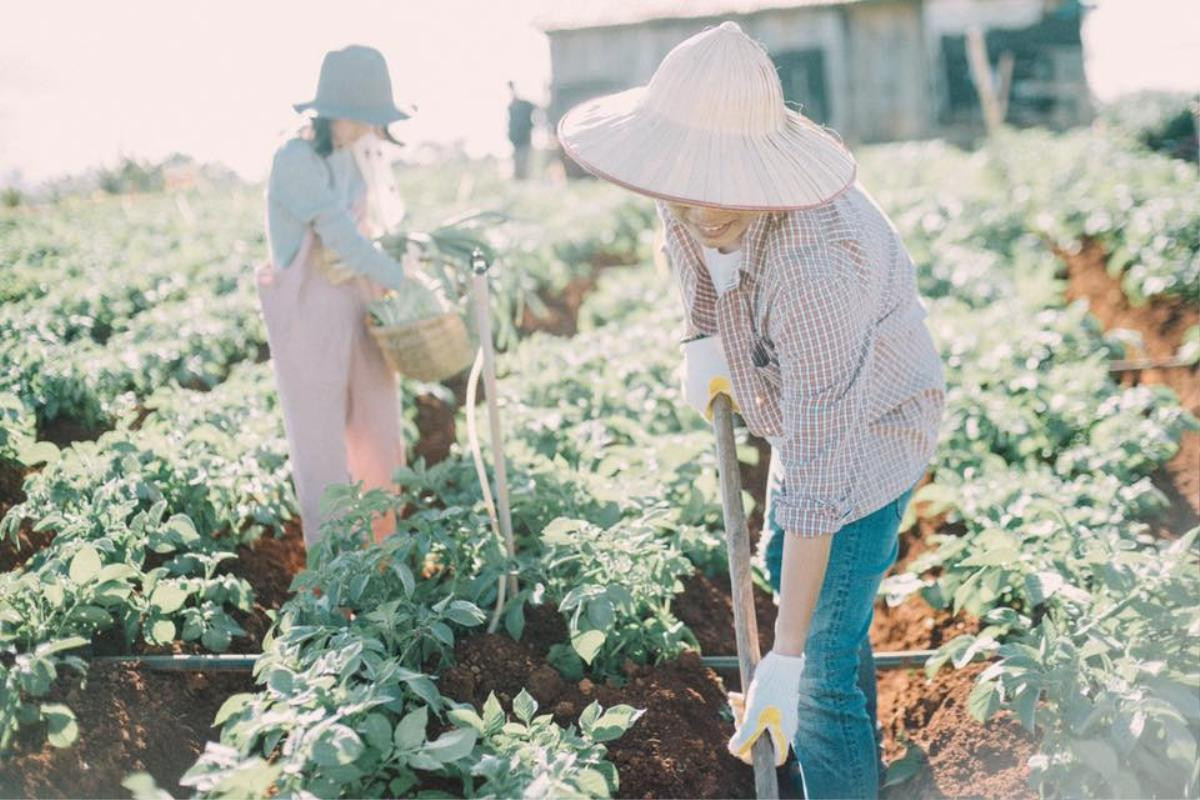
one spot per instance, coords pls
(737, 539)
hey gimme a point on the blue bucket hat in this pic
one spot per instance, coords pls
(355, 85)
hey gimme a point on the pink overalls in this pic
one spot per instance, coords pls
(340, 406)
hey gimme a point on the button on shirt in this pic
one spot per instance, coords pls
(828, 353)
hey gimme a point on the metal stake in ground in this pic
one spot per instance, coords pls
(737, 539)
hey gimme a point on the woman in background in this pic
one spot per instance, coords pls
(329, 194)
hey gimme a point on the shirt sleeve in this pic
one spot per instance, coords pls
(699, 303)
(821, 336)
(298, 182)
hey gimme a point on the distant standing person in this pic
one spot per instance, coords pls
(329, 192)
(520, 131)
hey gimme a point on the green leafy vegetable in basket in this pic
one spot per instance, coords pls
(416, 301)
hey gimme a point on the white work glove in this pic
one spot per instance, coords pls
(705, 374)
(771, 706)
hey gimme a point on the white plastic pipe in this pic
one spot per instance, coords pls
(483, 319)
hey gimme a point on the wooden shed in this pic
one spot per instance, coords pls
(872, 70)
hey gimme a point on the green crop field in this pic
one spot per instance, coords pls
(1050, 557)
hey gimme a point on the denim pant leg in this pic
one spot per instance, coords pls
(838, 743)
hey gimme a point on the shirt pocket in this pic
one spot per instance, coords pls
(766, 362)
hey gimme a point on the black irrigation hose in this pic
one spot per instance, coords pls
(1137, 365)
(894, 659)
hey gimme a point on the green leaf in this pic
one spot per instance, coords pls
(910, 764)
(168, 598)
(1025, 706)
(493, 714)
(600, 613)
(1186, 699)
(37, 453)
(452, 745)
(143, 787)
(614, 722)
(423, 761)
(524, 706)
(591, 783)
(216, 639)
(566, 661)
(183, 527)
(58, 645)
(410, 732)
(92, 614)
(280, 680)
(466, 717)
(233, 705)
(983, 701)
(464, 613)
(995, 557)
(61, 727)
(406, 577)
(85, 565)
(589, 716)
(560, 531)
(588, 644)
(443, 633)
(424, 688)
(337, 746)
(161, 631)
(1098, 755)
(514, 618)
(378, 732)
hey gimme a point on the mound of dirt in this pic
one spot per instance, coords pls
(964, 758)
(129, 721)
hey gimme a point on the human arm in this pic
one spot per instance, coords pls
(300, 185)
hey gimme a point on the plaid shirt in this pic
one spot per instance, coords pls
(828, 354)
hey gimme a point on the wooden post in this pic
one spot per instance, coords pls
(737, 539)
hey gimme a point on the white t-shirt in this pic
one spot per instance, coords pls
(723, 267)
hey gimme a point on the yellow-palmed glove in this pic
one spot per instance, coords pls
(771, 707)
(705, 374)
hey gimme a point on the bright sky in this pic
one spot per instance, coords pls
(82, 81)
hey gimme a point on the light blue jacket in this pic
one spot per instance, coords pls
(306, 189)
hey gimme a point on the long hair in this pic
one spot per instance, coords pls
(322, 135)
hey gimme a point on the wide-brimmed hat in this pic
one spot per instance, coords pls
(355, 85)
(711, 129)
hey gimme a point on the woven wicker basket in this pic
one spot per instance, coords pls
(427, 350)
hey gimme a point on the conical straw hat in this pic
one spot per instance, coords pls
(710, 129)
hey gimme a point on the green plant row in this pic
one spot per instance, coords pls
(143, 521)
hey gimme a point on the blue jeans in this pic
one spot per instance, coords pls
(837, 744)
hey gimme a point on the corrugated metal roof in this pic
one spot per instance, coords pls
(578, 14)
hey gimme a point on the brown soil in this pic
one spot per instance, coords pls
(28, 543)
(436, 429)
(964, 758)
(129, 721)
(269, 564)
(65, 431)
(676, 749)
(914, 625)
(12, 478)
(705, 606)
(562, 309)
(1161, 324)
